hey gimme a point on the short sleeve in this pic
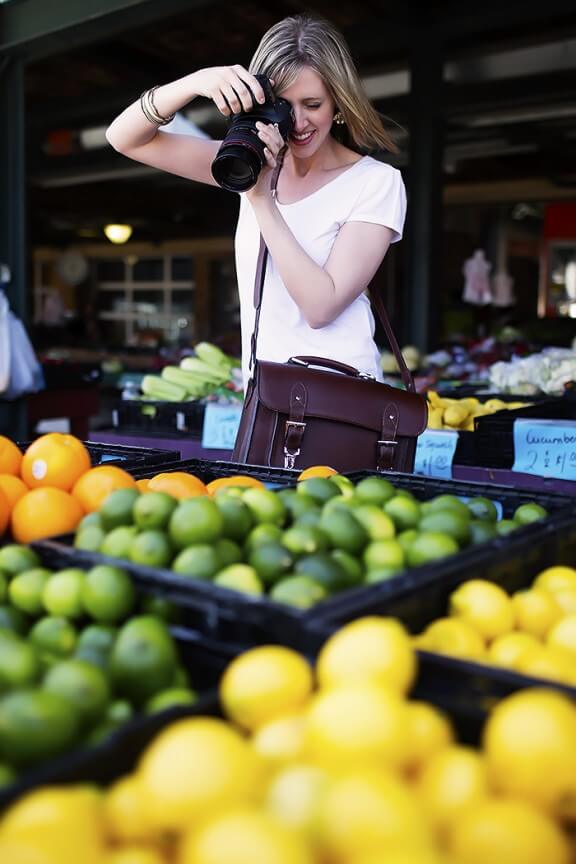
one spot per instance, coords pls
(382, 200)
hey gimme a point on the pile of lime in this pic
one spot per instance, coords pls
(298, 545)
(80, 653)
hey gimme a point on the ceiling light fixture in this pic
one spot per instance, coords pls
(117, 233)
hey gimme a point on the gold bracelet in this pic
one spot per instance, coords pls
(149, 108)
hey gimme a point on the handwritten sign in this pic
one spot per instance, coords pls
(546, 448)
(435, 452)
(220, 426)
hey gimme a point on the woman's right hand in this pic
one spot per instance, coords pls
(229, 88)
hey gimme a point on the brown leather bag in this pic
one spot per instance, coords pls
(296, 415)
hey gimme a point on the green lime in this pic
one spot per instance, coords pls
(84, 686)
(95, 644)
(310, 517)
(89, 520)
(320, 489)
(153, 510)
(16, 559)
(152, 549)
(62, 594)
(341, 502)
(240, 577)
(35, 725)
(483, 508)
(26, 589)
(54, 637)
(525, 514)
(482, 530)
(506, 526)
(377, 524)
(351, 565)
(14, 620)
(407, 537)
(430, 546)
(228, 551)
(7, 775)
(344, 484)
(405, 512)
(143, 659)
(198, 562)
(119, 711)
(108, 594)
(266, 506)
(446, 502)
(382, 574)
(117, 508)
(19, 664)
(297, 504)
(152, 604)
(117, 542)
(3, 587)
(344, 530)
(384, 553)
(325, 570)
(450, 521)
(238, 519)
(305, 539)
(374, 490)
(271, 561)
(299, 591)
(89, 539)
(265, 533)
(169, 699)
(195, 520)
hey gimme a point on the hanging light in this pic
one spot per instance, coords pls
(117, 233)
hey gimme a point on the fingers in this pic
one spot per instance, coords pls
(270, 135)
(238, 91)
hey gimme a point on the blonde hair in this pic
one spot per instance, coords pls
(301, 41)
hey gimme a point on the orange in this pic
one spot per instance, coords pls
(10, 456)
(143, 484)
(236, 480)
(54, 460)
(4, 512)
(179, 484)
(44, 512)
(93, 487)
(317, 471)
(12, 487)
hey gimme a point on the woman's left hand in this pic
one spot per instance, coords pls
(274, 144)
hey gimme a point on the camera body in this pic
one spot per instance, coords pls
(240, 158)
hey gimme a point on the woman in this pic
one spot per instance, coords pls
(335, 211)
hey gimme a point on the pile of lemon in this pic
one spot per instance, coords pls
(327, 765)
(445, 413)
(533, 631)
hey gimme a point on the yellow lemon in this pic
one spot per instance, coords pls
(530, 750)
(451, 780)
(566, 599)
(195, 767)
(536, 611)
(428, 731)
(23, 852)
(485, 606)
(453, 636)
(244, 837)
(403, 856)
(556, 578)
(507, 832)
(294, 794)
(125, 812)
(281, 740)
(369, 649)
(135, 855)
(507, 650)
(264, 683)
(548, 662)
(563, 634)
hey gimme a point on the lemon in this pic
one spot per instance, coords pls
(135, 855)
(563, 634)
(371, 649)
(556, 578)
(453, 636)
(566, 599)
(536, 611)
(281, 740)
(264, 683)
(507, 832)
(452, 780)
(529, 747)
(125, 814)
(192, 769)
(356, 725)
(428, 731)
(507, 650)
(485, 606)
(294, 794)
(548, 662)
(403, 856)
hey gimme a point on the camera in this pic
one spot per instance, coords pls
(241, 155)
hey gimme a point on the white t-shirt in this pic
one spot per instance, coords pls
(368, 191)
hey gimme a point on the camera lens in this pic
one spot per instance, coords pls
(236, 166)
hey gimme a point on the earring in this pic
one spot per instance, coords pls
(339, 119)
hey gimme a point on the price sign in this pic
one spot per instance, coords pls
(434, 453)
(546, 448)
(220, 426)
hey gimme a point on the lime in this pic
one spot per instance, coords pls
(95, 644)
(506, 526)
(119, 711)
(481, 530)
(153, 510)
(297, 504)
(377, 524)
(152, 604)
(265, 533)
(151, 548)
(344, 484)
(446, 502)
(325, 570)
(195, 520)
(7, 775)
(299, 591)
(117, 508)
(228, 551)
(16, 559)
(117, 542)
(3, 587)
(450, 521)
(238, 519)
(341, 502)
(240, 577)
(54, 637)
(271, 561)
(382, 574)
(321, 489)
(375, 490)
(84, 686)
(89, 520)
(14, 620)
(305, 540)
(199, 562)
(108, 594)
(343, 530)
(89, 539)
(351, 565)
(143, 659)
(62, 594)
(266, 506)
(404, 511)
(19, 664)
(34, 726)
(310, 517)
(527, 513)
(483, 508)
(169, 698)
(407, 537)
(384, 553)
(430, 546)
(25, 590)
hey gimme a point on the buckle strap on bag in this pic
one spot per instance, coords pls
(387, 442)
(295, 425)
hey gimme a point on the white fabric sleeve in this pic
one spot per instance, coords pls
(382, 200)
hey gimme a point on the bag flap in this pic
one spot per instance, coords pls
(332, 396)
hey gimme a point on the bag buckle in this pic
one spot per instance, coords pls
(387, 442)
(291, 454)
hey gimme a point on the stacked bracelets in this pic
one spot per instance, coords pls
(149, 109)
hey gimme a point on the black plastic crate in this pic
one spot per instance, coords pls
(207, 470)
(172, 418)
(124, 456)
